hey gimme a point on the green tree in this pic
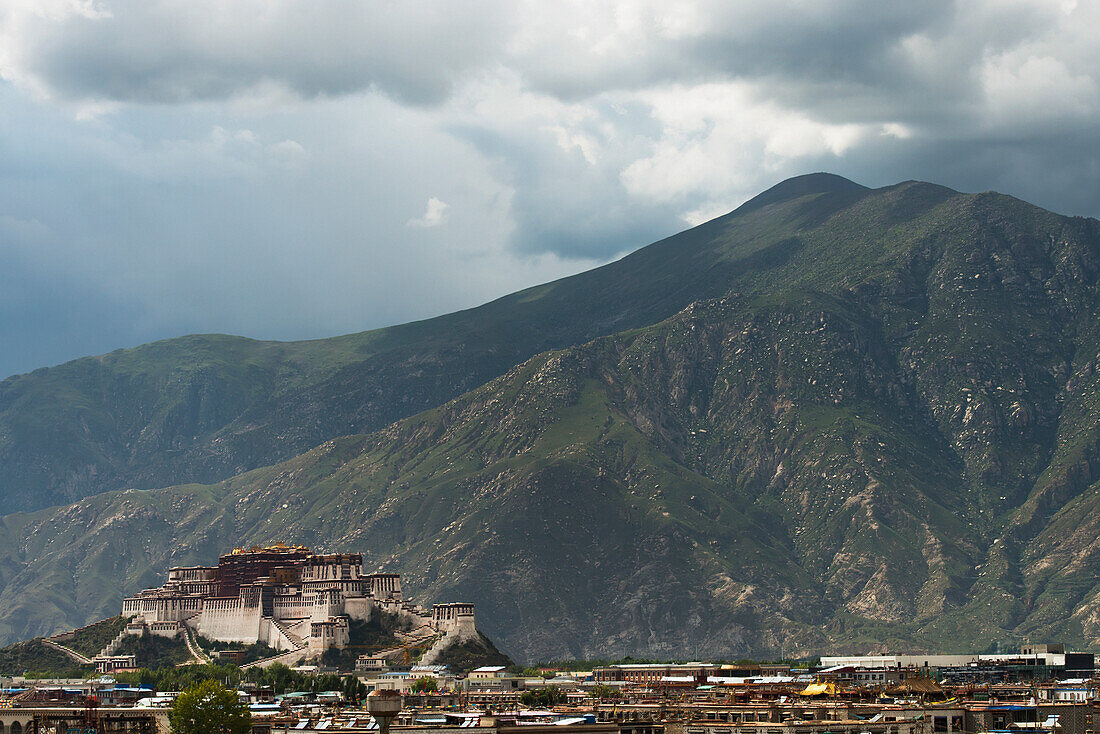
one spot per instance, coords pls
(280, 677)
(549, 696)
(353, 689)
(606, 693)
(209, 708)
(326, 682)
(427, 684)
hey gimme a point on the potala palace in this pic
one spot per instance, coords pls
(286, 597)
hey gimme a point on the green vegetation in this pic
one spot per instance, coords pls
(278, 677)
(152, 651)
(606, 693)
(543, 697)
(282, 679)
(182, 677)
(90, 641)
(209, 708)
(364, 638)
(835, 419)
(425, 685)
(36, 660)
(255, 651)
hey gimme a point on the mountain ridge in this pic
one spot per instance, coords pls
(874, 426)
(205, 407)
(799, 186)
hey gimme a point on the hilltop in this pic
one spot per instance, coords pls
(835, 418)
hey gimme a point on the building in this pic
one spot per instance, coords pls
(113, 663)
(288, 597)
(652, 673)
(106, 719)
(1032, 662)
(488, 672)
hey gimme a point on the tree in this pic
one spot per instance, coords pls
(280, 677)
(549, 696)
(353, 689)
(604, 693)
(327, 682)
(427, 684)
(209, 708)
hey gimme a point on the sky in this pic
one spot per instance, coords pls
(286, 169)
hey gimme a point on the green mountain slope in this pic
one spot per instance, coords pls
(882, 433)
(203, 408)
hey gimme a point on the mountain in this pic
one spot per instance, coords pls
(873, 423)
(204, 408)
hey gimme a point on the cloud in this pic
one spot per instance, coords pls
(134, 51)
(288, 153)
(252, 166)
(434, 214)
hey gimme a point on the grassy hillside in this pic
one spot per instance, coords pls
(32, 658)
(90, 640)
(881, 432)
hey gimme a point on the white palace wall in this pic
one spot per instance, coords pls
(309, 610)
(359, 607)
(228, 620)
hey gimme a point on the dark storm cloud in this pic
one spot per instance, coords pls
(47, 319)
(831, 41)
(153, 52)
(1047, 173)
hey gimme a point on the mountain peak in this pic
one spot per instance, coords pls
(793, 188)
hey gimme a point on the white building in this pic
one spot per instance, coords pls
(288, 598)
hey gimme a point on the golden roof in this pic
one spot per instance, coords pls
(276, 548)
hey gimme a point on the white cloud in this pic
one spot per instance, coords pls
(288, 153)
(719, 143)
(1036, 88)
(435, 213)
